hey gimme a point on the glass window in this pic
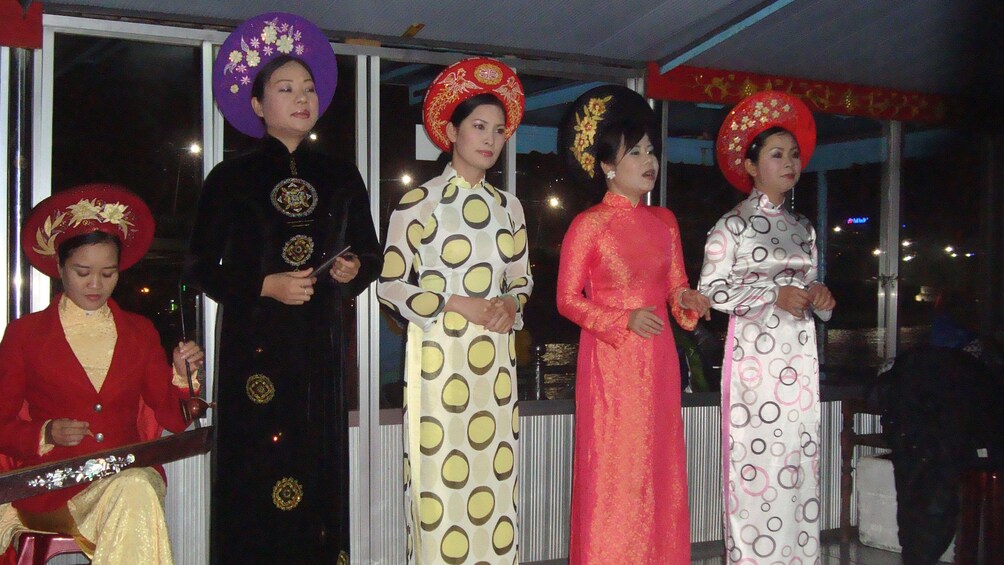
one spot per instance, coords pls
(698, 195)
(115, 121)
(848, 166)
(550, 201)
(940, 252)
(407, 159)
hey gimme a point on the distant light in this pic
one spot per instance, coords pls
(876, 252)
(949, 249)
(908, 258)
(145, 290)
(837, 229)
(554, 202)
(406, 179)
(954, 255)
(313, 136)
(970, 254)
(194, 148)
(857, 220)
(906, 243)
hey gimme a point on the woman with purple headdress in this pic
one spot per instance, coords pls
(266, 220)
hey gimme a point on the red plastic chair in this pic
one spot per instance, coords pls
(38, 549)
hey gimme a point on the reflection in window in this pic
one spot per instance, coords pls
(550, 201)
(130, 113)
(940, 250)
(402, 89)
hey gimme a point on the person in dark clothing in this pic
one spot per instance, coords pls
(938, 425)
(280, 465)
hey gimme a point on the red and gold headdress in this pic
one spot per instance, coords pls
(753, 115)
(82, 210)
(466, 79)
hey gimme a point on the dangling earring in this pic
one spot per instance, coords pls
(611, 174)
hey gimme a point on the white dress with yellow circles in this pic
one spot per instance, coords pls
(461, 425)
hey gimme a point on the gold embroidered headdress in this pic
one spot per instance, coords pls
(82, 210)
(590, 115)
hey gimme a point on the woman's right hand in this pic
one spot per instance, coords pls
(644, 323)
(474, 310)
(292, 288)
(66, 432)
(792, 300)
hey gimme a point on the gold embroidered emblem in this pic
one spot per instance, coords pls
(294, 197)
(488, 73)
(343, 558)
(287, 493)
(585, 133)
(260, 389)
(297, 250)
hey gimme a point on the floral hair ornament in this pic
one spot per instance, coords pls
(252, 46)
(589, 117)
(82, 210)
(753, 115)
(466, 79)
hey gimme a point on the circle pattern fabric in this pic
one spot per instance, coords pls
(461, 422)
(770, 383)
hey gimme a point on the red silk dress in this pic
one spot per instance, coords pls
(629, 487)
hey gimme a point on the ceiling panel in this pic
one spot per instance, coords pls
(906, 44)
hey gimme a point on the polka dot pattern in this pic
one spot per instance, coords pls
(461, 417)
(770, 382)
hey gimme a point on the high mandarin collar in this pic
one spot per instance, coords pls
(72, 315)
(763, 201)
(461, 182)
(619, 201)
(275, 147)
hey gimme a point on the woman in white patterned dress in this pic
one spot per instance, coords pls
(760, 268)
(456, 268)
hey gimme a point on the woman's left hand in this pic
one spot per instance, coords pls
(345, 268)
(693, 300)
(191, 352)
(501, 314)
(821, 298)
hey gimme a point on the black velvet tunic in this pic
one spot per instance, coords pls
(280, 470)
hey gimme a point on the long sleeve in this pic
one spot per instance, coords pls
(18, 438)
(722, 278)
(813, 271)
(212, 265)
(159, 391)
(578, 253)
(518, 281)
(360, 234)
(408, 224)
(678, 281)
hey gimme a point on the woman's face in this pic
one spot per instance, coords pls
(288, 104)
(635, 171)
(478, 141)
(779, 165)
(90, 274)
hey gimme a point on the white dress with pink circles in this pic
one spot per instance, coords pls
(770, 383)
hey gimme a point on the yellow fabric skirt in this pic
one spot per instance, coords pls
(118, 519)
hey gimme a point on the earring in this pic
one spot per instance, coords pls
(611, 174)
